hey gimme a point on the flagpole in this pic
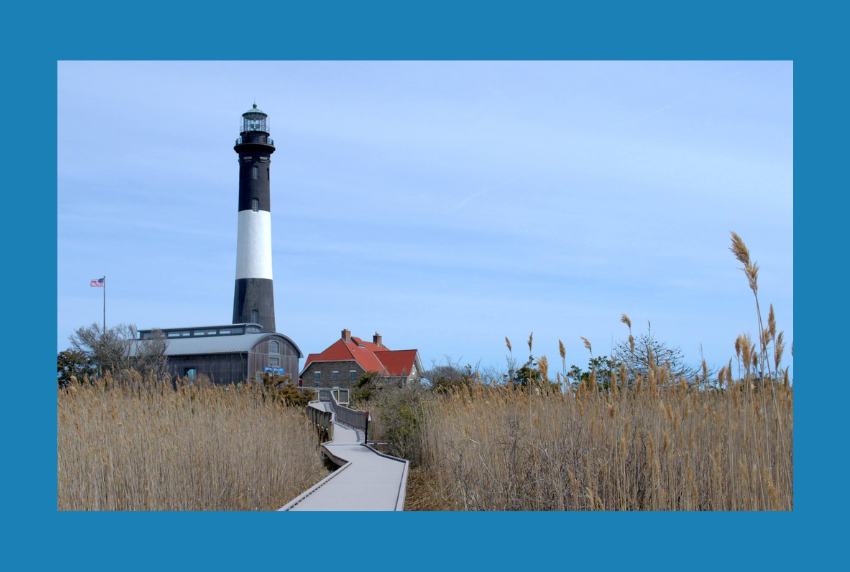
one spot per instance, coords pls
(104, 303)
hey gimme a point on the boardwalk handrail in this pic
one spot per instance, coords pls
(322, 419)
(347, 416)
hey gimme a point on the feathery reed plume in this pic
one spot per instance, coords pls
(746, 348)
(771, 323)
(625, 319)
(530, 339)
(587, 345)
(632, 344)
(752, 272)
(779, 349)
(543, 366)
(739, 249)
(508, 343)
(742, 253)
(738, 343)
(563, 351)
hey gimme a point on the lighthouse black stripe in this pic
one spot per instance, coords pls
(251, 188)
(254, 294)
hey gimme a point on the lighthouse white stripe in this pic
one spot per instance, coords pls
(254, 245)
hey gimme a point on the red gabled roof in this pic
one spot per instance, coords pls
(365, 357)
(399, 362)
(369, 345)
(369, 356)
(310, 358)
(336, 351)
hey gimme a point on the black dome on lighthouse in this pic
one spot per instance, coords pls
(255, 110)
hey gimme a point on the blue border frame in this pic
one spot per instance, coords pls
(35, 37)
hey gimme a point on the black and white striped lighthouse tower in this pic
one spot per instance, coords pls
(253, 298)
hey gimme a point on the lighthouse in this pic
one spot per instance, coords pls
(253, 298)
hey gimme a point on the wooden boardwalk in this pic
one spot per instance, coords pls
(366, 479)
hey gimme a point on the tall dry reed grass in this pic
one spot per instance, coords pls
(660, 447)
(145, 446)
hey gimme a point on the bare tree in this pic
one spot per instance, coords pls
(109, 349)
(150, 355)
(451, 374)
(649, 350)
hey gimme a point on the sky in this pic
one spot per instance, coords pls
(446, 205)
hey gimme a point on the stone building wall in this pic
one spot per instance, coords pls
(326, 369)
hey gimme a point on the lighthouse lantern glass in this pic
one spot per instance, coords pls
(255, 122)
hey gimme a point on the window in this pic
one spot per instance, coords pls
(256, 173)
(274, 348)
(255, 316)
(318, 377)
(352, 375)
(336, 376)
(224, 331)
(255, 205)
(190, 372)
(274, 362)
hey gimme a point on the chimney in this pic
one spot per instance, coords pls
(346, 335)
(376, 339)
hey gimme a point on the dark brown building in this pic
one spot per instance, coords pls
(232, 353)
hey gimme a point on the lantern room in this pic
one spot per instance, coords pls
(255, 120)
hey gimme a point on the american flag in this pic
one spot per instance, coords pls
(97, 283)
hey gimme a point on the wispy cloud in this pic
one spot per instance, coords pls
(484, 192)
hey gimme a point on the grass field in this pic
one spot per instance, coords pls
(658, 448)
(144, 446)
